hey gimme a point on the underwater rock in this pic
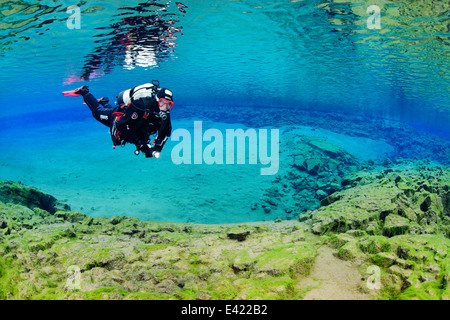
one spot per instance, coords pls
(321, 194)
(304, 216)
(425, 205)
(3, 224)
(115, 220)
(88, 221)
(327, 148)
(385, 259)
(181, 260)
(406, 142)
(383, 196)
(429, 217)
(75, 216)
(313, 165)
(330, 199)
(238, 235)
(387, 162)
(395, 225)
(129, 231)
(314, 171)
(349, 251)
(69, 232)
(299, 163)
(446, 203)
(446, 281)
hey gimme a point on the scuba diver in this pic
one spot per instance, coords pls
(140, 112)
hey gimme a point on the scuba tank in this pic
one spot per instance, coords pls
(143, 92)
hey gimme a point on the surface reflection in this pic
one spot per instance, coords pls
(143, 36)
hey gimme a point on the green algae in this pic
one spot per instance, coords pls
(398, 220)
(413, 266)
(125, 258)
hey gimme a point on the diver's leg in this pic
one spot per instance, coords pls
(100, 113)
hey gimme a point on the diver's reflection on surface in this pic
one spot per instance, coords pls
(143, 40)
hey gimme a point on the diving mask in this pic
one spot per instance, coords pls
(164, 104)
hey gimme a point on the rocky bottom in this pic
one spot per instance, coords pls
(384, 235)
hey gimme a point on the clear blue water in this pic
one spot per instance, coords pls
(288, 56)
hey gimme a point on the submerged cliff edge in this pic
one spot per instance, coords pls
(384, 235)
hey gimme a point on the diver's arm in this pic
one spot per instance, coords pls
(163, 134)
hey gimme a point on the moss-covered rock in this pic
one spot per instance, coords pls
(395, 225)
(395, 219)
(14, 192)
(132, 259)
(388, 202)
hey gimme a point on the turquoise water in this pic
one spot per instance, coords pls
(251, 64)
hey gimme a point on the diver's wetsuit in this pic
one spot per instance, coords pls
(101, 112)
(131, 124)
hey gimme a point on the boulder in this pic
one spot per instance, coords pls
(3, 224)
(327, 148)
(384, 259)
(372, 228)
(238, 235)
(407, 213)
(69, 232)
(75, 216)
(299, 162)
(433, 269)
(402, 273)
(425, 205)
(115, 220)
(395, 225)
(429, 217)
(330, 199)
(14, 192)
(349, 251)
(403, 252)
(313, 165)
(166, 286)
(356, 233)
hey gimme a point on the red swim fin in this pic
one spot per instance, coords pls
(71, 93)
